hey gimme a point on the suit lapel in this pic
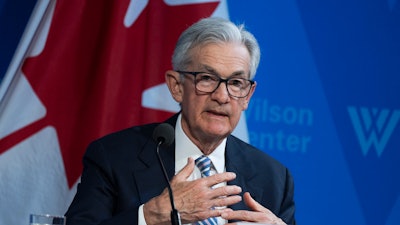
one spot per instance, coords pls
(239, 162)
(148, 173)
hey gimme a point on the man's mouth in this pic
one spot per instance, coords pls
(217, 113)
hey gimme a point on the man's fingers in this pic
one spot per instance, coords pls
(219, 178)
(185, 172)
(258, 213)
(209, 213)
(226, 201)
(250, 216)
(224, 191)
(242, 215)
(253, 204)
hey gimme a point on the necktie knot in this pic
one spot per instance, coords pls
(204, 165)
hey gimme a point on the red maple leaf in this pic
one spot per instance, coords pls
(93, 70)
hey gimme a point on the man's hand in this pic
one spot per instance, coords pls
(195, 199)
(259, 213)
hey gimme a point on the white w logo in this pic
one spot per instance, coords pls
(373, 126)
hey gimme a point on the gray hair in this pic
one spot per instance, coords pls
(214, 30)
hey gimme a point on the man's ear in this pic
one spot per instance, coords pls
(173, 80)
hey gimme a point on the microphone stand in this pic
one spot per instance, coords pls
(175, 217)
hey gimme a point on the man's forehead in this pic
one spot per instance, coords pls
(233, 62)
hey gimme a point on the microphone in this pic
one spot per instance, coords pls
(164, 135)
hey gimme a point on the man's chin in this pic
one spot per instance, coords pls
(218, 131)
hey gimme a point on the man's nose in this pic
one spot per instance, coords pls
(221, 94)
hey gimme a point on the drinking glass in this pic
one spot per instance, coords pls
(36, 219)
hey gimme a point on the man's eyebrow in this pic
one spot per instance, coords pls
(210, 69)
(213, 71)
(238, 73)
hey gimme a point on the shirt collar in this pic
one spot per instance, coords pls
(186, 148)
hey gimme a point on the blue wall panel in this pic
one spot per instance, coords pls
(327, 103)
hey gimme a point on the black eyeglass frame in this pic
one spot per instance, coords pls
(219, 82)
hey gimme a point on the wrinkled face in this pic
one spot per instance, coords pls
(213, 116)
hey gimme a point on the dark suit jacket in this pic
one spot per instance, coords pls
(121, 172)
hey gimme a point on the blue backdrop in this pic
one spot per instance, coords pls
(327, 102)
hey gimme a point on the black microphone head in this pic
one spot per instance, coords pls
(164, 133)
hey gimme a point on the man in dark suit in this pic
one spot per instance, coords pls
(122, 183)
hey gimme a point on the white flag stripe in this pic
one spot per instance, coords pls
(43, 31)
(15, 116)
(135, 8)
(159, 97)
(222, 10)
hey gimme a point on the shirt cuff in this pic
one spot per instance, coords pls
(141, 220)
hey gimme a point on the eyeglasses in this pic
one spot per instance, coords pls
(208, 83)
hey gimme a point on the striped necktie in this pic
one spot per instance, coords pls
(204, 165)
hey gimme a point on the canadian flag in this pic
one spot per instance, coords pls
(85, 69)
